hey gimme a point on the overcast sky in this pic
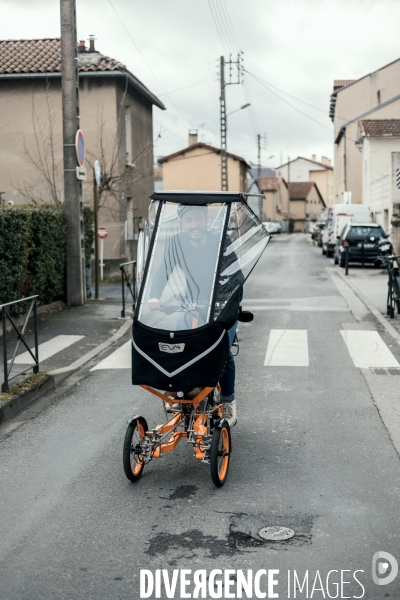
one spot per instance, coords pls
(298, 46)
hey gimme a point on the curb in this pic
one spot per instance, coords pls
(14, 405)
(377, 314)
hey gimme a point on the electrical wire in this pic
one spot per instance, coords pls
(261, 82)
(232, 28)
(211, 6)
(223, 23)
(190, 85)
(138, 49)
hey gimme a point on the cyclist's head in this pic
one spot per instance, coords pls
(193, 220)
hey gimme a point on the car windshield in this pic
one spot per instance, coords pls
(364, 231)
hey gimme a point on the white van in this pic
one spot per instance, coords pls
(337, 217)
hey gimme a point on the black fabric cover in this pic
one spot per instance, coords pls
(198, 199)
(205, 372)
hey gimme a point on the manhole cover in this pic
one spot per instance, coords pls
(276, 533)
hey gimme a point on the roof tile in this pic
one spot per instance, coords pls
(32, 56)
(379, 127)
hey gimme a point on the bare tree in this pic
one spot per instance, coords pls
(45, 157)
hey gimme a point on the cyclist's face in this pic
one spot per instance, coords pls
(194, 223)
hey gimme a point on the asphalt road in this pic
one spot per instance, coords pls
(310, 452)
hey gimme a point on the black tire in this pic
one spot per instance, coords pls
(391, 312)
(397, 292)
(342, 262)
(323, 250)
(335, 259)
(135, 432)
(220, 454)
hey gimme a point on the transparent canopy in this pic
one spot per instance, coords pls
(201, 255)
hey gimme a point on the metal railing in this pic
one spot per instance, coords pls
(128, 276)
(21, 335)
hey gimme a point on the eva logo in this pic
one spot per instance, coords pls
(171, 348)
(385, 564)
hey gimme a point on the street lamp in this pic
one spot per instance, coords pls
(237, 110)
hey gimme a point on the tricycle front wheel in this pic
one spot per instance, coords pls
(132, 457)
(220, 454)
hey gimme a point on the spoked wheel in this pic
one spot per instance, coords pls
(133, 459)
(220, 454)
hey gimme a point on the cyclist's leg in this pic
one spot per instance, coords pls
(227, 381)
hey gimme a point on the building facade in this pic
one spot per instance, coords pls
(306, 204)
(306, 169)
(374, 96)
(116, 119)
(198, 167)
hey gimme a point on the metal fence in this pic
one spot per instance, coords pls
(5, 314)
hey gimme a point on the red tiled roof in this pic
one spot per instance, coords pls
(43, 56)
(200, 145)
(268, 184)
(300, 189)
(379, 127)
(339, 83)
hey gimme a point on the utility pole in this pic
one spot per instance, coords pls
(76, 288)
(288, 202)
(260, 200)
(223, 115)
(223, 128)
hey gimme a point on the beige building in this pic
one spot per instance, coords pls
(116, 119)
(309, 169)
(276, 198)
(377, 139)
(306, 204)
(198, 167)
(375, 96)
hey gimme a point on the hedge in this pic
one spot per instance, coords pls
(33, 252)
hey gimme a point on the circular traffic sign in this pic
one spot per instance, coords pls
(102, 232)
(97, 172)
(80, 147)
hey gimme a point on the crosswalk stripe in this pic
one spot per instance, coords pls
(287, 348)
(120, 359)
(49, 348)
(368, 350)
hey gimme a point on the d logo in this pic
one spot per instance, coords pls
(383, 562)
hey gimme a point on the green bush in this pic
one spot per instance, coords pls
(33, 252)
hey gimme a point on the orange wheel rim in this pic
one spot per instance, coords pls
(223, 454)
(137, 460)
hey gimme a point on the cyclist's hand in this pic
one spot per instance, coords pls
(154, 304)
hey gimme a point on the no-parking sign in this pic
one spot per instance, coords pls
(80, 147)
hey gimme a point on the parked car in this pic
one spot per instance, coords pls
(278, 226)
(270, 226)
(316, 229)
(340, 215)
(359, 239)
(320, 234)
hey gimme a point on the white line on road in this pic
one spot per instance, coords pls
(49, 348)
(120, 359)
(368, 350)
(287, 348)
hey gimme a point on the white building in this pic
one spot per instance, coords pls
(377, 139)
(309, 169)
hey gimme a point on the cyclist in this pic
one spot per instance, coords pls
(199, 247)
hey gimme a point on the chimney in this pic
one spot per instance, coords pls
(314, 157)
(91, 43)
(81, 47)
(193, 136)
(326, 161)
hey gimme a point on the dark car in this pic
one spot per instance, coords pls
(316, 230)
(361, 240)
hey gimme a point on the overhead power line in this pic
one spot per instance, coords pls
(138, 49)
(261, 82)
(216, 23)
(190, 85)
(231, 27)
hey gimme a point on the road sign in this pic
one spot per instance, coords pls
(97, 172)
(81, 173)
(80, 147)
(102, 233)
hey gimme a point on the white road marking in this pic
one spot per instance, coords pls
(287, 348)
(312, 304)
(48, 349)
(368, 350)
(120, 359)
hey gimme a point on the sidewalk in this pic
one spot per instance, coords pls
(68, 338)
(371, 283)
